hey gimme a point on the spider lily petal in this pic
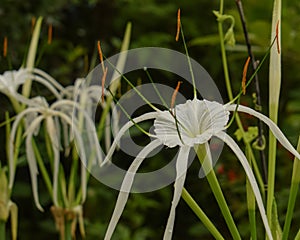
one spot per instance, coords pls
(273, 127)
(60, 110)
(181, 168)
(47, 77)
(126, 186)
(235, 148)
(68, 107)
(129, 124)
(52, 131)
(32, 161)
(11, 142)
(87, 97)
(10, 81)
(81, 149)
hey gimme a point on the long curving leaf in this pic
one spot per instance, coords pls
(32, 54)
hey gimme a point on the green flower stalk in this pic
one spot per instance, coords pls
(200, 214)
(293, 195)
(219, 14)
(7, 208)
(204, 157)
(274, 92)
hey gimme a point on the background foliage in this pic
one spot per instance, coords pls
(77, 25)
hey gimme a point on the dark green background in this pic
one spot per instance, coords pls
(77, 25)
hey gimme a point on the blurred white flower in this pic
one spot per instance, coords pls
(187, 126)
(61, 111)
(89, 98)
(10, 81)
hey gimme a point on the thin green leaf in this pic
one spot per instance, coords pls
(32, 54)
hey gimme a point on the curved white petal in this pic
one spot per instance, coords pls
(129, 124)
(126, 186)
(273, 127)
(48, 78)
(11, 80)
(81, 149)
(52, 131)
(31, 102)
(90, 126)
(46, 84)
(235, 148)
(181, 168)
(12, 136)
(32, 162)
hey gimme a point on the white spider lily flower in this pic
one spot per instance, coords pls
(188, 125)
(10, 82)
(59, 111)
(89, 97)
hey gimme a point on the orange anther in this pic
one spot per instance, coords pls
(175, 94)
(5, 47)
(50, 34)
(245, 75)
(178, 25)
(33, 21)
(100, 56)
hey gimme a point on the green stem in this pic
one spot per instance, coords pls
(251, 204)
(2, 229)
(217, 191)
(298, 235)
(252, 221)
(200, 214)
(73, 176)
(271, 174)
(293, 195)
(230, 96)
(68, 230)
(42, 168)
(274, 93)
(224, 60)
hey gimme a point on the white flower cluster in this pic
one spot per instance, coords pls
(65, 119)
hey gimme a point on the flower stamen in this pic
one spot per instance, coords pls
(178, 26)
(245, 75)
(100, 56)
(33, 21)
(175, 94)
(49, 34)
(5, 47)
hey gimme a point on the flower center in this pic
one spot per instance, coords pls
(193, 122)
